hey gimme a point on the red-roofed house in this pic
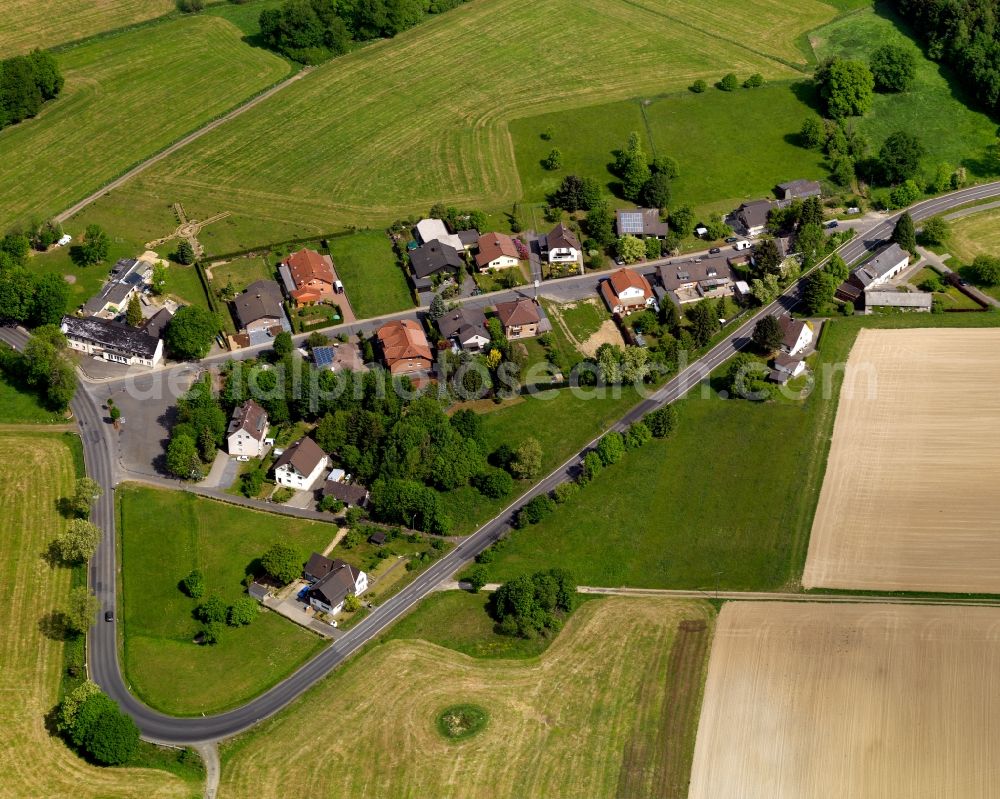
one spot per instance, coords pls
(626, 291)
(309, 277)
(404, 347)
(496, 251)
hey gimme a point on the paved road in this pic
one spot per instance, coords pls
(98, 446)
(177, 145)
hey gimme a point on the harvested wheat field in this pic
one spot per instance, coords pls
(35, 470)
(909, 500)
(865, 701)
(609, 709)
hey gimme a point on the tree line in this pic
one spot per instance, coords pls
(27, 82)
(311, 31)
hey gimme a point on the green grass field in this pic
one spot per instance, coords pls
(934, 109)
(727, 501)
(241, 272)
(366, 264)
(572, 722)
(20, 405)
(166, 534)
(27, 24)
(126, 96)
(413, 121)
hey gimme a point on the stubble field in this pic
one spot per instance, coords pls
(125, 97)
(571, 723)
(400, 124)
(35, 471)
(909, 500)
(818, 700)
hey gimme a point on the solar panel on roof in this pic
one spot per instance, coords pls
(631, 222)
(323, 356)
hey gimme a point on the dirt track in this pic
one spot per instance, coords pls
(909, 501)
(819, 701)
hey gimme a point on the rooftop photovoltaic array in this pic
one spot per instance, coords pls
(323, 356)
(630, 222)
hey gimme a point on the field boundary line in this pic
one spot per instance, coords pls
(781, 596)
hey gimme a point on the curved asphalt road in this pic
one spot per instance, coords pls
(99, 446)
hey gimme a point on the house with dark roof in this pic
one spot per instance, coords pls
(561, 246)
(496, 251)
(641, 222)
(798, 189)
(465, 327)
(626, 291)
(333, 581)
(300, 465)
(796, 334)
(247, 430)
(259, 308)
(352, 494)
(753, 216)
(692, 281)
(156, 324)
(434, 258)
(309, 277)
(404, 347)
(519, 318)
(126, 279)
(112, 341)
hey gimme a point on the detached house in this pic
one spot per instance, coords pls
(496, 251)
(333, 581)
(258, 310)
(127, 278)
(797, 334)
(431, 259)
(404, 347)
(888, 261)
(247, 430)
(626, 291)
(561, 246)
(519, 318)
(300, 465)
(642, 223)
(753, 216)
(466, 327)
(309, 277)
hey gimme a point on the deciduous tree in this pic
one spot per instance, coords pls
(78, 542)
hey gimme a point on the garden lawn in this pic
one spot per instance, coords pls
(21, 405)
(36, 470)
(372, 279)
(371, 136)
(729, 146)
(126, 96)
(164, 536)
(27, 24)
(562, 423)
(727, 501)
(934, 109)
(241, 272)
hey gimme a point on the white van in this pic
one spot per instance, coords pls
(742, 244)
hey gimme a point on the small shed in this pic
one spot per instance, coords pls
(377, 538)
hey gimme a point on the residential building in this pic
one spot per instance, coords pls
(259, 309)
(496, 251)
(338, 486)
(785, 367)
(434, 258)
(753, 216)
(340, 357)
(247, 430)
(626, 291)
(300, 465)
(796, 334)
(798, 189)
(404, 347)
(309, 278)
(336, 581)
(466, 328)
(561, 245)
(126, 279)
(431, 230)
(112, 341)
(519, 318)
(693, 281)
(888, 261)
(641, 222)
(901, 301)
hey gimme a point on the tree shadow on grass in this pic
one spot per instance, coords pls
(54, 625)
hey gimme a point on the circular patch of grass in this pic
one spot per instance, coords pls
(461, 721)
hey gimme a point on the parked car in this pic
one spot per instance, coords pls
(732, 240)
(715, 251)
(832, 223)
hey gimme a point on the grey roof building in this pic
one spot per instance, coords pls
(798, 189)
(112, 341)
(125, 279)
(904, 300)
(260, 302)
(467, 326)
(432, 258)
(641, 222)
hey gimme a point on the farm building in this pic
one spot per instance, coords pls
(903, 301)
(798, 189)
